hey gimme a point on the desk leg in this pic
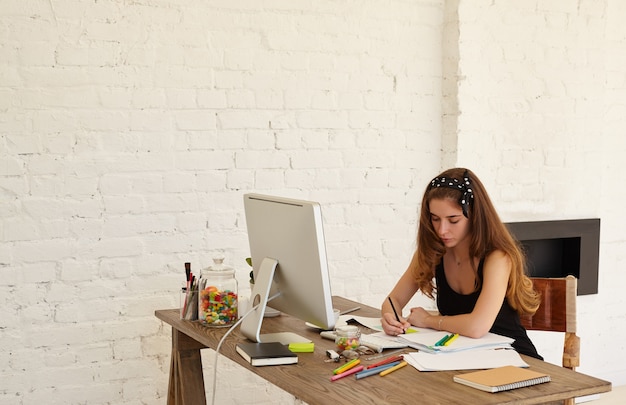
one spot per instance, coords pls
(186, 384)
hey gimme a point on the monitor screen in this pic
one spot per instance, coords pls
(289, 261)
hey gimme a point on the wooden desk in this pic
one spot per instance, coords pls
(309, 380)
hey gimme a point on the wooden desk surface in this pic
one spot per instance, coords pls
(309, 380)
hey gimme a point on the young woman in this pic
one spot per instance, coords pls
(467, 258)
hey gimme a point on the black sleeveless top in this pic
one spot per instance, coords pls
(507, 323)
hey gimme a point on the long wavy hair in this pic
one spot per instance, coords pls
(487, 234)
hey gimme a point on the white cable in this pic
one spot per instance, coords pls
(219, 345)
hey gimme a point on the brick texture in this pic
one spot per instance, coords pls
(129, 132)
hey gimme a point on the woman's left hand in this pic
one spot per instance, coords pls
(419, 316)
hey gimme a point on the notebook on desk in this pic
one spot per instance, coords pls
(266, 354)
(502, 378)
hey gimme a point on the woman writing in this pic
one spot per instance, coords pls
(467, 258)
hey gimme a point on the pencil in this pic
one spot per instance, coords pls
(395, 312)
(394, 309)
(347, 311)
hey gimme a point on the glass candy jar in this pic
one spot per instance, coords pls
(348, 338)
(217, 298)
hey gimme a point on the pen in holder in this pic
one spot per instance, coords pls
(189, 304)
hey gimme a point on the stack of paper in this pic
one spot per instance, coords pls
(463, 353)
(427, 342)
(465, 360)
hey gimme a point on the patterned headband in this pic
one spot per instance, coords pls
(463, 186)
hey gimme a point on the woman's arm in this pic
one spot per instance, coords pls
(405, 288)
(477, 323)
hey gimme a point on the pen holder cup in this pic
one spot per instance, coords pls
(348, 338)
(189, 304)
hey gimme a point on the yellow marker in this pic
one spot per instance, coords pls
(394, 368)
(456, 335)
(347, 366)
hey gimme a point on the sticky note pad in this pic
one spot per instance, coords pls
(304, 347)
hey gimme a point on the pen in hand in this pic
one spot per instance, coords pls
(395, 312)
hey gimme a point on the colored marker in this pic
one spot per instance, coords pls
(346, 373)
(441, 341)
(347, 366)
(389, 360)
(447, 338)
(375, 370)
(447, 342)
(394, 368)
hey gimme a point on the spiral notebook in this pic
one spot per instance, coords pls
(502, 378)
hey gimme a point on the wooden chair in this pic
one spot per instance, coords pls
(557, 313)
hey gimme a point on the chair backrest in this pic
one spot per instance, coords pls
(557, 313)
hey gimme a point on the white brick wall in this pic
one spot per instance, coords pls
(129, 132)
(542, 121)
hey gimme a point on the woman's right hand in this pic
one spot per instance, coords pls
(391, 326)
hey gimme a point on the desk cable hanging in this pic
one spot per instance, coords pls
(219, 345)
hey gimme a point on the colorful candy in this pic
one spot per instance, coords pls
(348, 338)
(347, 343)
(217, 308)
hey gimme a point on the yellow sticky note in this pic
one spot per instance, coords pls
(304, 347)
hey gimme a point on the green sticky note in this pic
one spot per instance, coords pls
(304, 347)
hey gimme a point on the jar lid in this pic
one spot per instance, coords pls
(218, 265)
(347, 330)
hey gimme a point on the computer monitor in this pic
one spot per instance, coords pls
(289, 259)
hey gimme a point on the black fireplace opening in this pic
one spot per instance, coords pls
(553, 257)
(560, 248)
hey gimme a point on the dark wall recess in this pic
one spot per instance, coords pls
(559, 248)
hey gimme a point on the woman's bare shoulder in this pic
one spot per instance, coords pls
(497, 258)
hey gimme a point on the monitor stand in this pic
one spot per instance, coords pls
(251, 325)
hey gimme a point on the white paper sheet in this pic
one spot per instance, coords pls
(426, 342)
(373, 323)
(465, 360)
